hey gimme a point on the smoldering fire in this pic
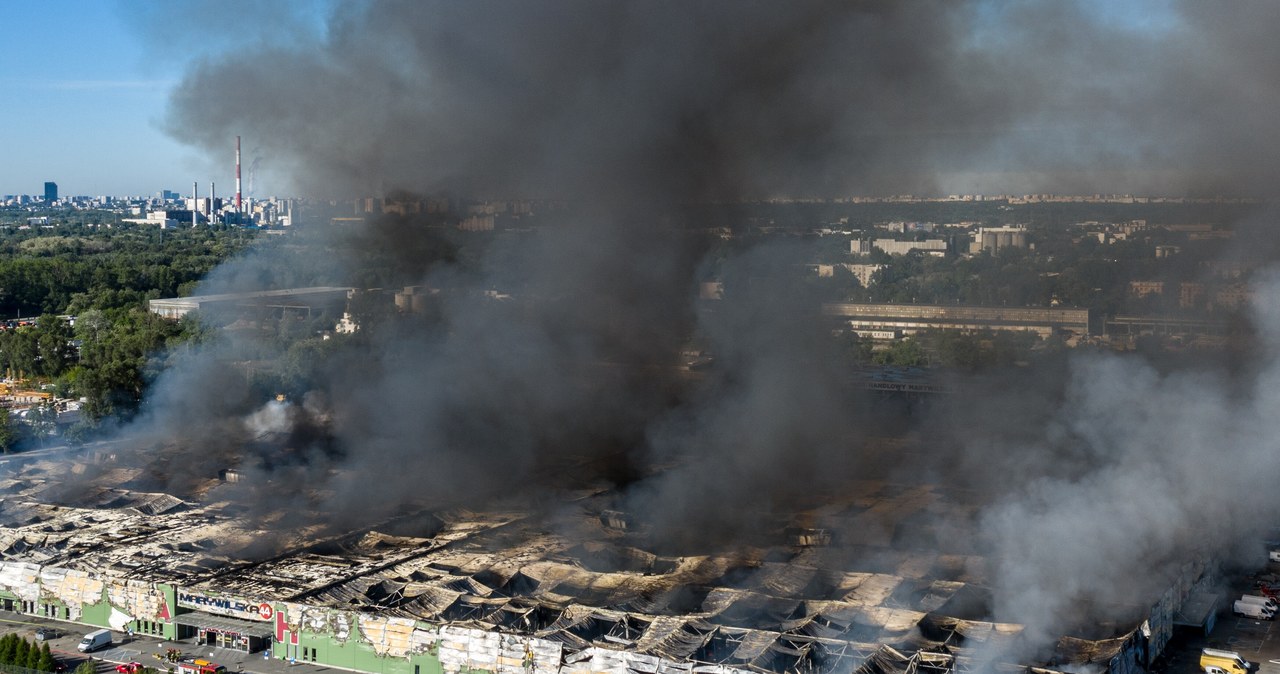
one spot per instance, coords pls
(633, 108)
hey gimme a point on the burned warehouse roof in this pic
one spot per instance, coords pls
(586, 591)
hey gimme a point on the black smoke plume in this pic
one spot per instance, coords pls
(631, 111)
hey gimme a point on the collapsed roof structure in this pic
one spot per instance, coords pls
(506, 591)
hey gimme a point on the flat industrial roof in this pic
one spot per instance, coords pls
(195, 300)
(587, 581)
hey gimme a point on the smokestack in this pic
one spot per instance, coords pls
(253, 167)
(237, 175)
(195, 201)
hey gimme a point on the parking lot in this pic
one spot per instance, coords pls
(1257, 641)
(147, 650)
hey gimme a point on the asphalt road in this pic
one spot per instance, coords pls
(146, 650)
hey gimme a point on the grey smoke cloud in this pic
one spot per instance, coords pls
(634, 107)
(1105, 478)
(1152, 469)
(717, 100)
(696, 100)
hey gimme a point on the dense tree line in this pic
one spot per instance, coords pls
(73, 269)
(18, 652)
(967, 352)
(103, 277)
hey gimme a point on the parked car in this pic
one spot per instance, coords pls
(129, 668)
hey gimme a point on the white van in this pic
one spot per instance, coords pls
(1249, 610)
(95, 640)
(1261, 601)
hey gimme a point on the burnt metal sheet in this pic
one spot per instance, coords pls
(224, 624)
(675, 638)
(753, 645)
(783, 580)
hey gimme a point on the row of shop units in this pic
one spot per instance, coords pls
(170, 622)
(162, 611)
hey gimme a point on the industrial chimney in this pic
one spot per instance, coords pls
(237, 176)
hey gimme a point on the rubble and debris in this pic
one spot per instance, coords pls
(496, 591)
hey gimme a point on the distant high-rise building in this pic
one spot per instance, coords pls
(50, 192)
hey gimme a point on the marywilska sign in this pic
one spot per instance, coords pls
(228, 606)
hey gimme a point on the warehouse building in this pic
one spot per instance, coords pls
(909, 319)
(292, 301)
(996, 239)
(461, 592)
(932, 247)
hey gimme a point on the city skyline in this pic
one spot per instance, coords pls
(130, 98)
(89, 84)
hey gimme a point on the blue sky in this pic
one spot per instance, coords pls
(83, 102)
(84, 85)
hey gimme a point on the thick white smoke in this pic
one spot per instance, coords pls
(1133, 475)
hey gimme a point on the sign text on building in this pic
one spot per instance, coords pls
(225, 606)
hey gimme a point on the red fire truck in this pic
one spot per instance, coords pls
(200, 667)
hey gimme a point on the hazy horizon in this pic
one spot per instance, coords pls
(1154, 98)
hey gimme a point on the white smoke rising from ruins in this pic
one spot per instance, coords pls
(1135, 474)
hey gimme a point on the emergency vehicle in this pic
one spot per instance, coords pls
(200, 667)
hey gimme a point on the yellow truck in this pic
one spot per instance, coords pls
(1214, 661)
